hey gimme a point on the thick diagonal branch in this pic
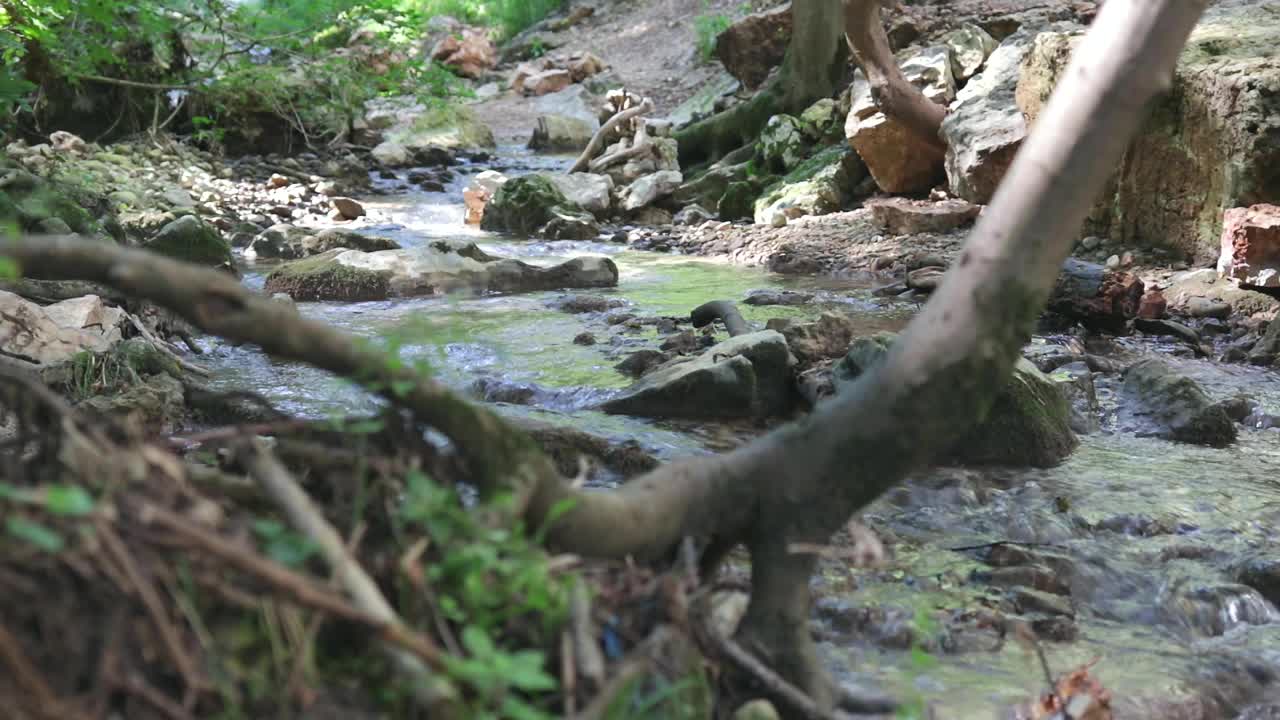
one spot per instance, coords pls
(895, 96)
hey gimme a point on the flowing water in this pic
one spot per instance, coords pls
(1136, 539)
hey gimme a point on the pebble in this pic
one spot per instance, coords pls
(1113, 262)
(1090, 243)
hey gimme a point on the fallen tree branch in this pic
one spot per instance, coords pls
(724, 311)
(164, 350)
(584, 160)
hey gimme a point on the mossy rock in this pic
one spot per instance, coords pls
(453, 127)
(322, 277)
(524, 204)
(1029, 424)
(144, 358)
(738, 200)
(44, 203)
(190, 239)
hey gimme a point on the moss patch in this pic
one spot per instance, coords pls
(323, 278)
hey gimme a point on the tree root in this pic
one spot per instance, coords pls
(724, 311)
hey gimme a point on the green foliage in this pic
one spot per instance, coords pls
(493, 582)
(282, 544)
(707, 27)
(507, 16)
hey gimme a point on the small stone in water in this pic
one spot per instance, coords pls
(1113, 262)
(585, 338)
(1090, 243)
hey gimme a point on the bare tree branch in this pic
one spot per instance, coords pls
(896, 97)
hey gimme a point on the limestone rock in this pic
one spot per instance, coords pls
(567, 225)
(1251, 246)
(560, 133)
(589, 191)
(984, 127)
(37, 337)
(970, 47)
(1209, 144)
(438, 268)
(744, 376)
(898, 160)
(347, 208)
(470, 53)
(822, 184)
(523, 204)
(435, 130)
(752, 47)
(930, 70)
(650, 188)
(782, 144)
(1206, 283)
(901, 216)
(1162, 402)
(546, 82)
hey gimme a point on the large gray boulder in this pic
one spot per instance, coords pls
(649, 189)
(745, 376)
(1163, 402)
(554, 133)
(438, 268)
(43, 337)
(589, 191)
(984, 127)
(1028, 425)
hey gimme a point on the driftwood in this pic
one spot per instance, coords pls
(722, 310)
(584, 160)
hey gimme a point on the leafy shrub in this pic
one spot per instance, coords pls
(708, 27)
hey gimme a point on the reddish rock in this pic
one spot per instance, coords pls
(1251, 245)
(1152, 306)
(526, 70)
(752, 47)
(1096, 297)
(469, 54)
(901, 216)
(582, 65)
(475, 199)
(347, 208)
(547, 82)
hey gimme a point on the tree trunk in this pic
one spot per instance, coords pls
(812, 69)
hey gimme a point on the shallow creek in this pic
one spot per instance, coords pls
(1135, 539)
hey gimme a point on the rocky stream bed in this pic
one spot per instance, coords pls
(1153, 559)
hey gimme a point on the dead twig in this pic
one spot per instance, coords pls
(29, 679)
(432, 690)
(584, 160)
(164, 348)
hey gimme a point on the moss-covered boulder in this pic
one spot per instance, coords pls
(323, 278)
(822, 184)
(524, 204)
(192, 240)
(783, 143)
(1028, 425)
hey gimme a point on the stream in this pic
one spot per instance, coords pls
(1134, 541)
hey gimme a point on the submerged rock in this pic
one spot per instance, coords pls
(1161, 402)
(441, 267)
(745, 376)
(1267, 350)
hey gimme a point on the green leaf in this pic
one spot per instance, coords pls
(921, 659)
(9, 269)
(35, 534)
(68, 500)
(477, 642)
